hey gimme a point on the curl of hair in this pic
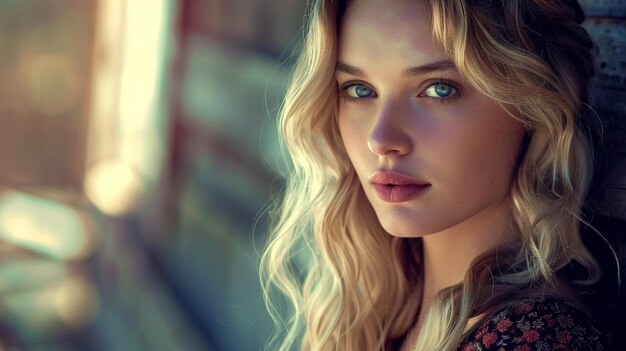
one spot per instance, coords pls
(361, 286)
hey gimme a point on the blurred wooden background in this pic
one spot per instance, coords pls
(606, 23)
(183, 270)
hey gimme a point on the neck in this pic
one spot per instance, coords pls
(447, 255)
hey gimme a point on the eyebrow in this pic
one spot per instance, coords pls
(443, 65)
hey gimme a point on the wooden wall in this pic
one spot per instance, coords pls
(45, 59)
(606, 23)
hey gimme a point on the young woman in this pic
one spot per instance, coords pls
(440, 157)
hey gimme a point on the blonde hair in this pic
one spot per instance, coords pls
(349, 285)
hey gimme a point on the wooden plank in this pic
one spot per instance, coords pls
(270, 25)
(604, 8)
(610, 35)
(608, 94)
(236, 94)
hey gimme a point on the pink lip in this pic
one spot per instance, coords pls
(397, 187)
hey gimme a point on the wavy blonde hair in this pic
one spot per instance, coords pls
(349, 285)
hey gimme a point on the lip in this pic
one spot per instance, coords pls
(397, 187)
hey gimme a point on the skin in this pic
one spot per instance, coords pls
(463, 144)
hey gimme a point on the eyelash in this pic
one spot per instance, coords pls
(444, 100)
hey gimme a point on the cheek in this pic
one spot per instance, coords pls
(352, 137)
(491, 159)
(479, 155)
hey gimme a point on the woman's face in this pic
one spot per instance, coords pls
(404, 108)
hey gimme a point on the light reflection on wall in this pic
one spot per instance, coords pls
(114, 187)
(33, 273)
(127, 142)
(46, 227)
(70, 303)
(42, 292)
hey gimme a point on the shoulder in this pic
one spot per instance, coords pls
(537, 324)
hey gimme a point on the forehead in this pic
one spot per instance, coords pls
(393, 32)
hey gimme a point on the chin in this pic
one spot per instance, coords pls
(405, 230)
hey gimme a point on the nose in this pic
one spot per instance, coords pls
(389, 134)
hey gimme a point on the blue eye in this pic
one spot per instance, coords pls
(359, 91)
(440, 90)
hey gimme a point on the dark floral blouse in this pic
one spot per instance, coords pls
(538, 324)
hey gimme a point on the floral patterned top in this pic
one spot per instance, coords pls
(538, 324)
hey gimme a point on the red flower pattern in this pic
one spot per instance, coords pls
(504, 325)
(564, 336)
(530, 336)
(537, 324)
(489, 339)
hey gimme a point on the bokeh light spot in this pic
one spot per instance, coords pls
(43, 226)
(49, 84)
(114, 187)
